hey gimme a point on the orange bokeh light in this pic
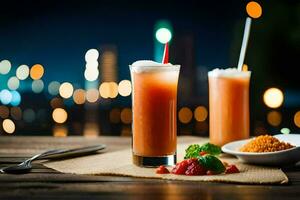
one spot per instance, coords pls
(274, 118)
(79, 96)
(126, 115)
(245, 68)
(297, 119)
(36, 71)
(253, 9)
(185, 115)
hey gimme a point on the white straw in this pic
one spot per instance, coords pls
(244, 44)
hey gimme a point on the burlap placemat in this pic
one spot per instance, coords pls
(119, 163)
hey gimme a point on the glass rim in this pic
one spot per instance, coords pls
(158, 66)
(223, 73)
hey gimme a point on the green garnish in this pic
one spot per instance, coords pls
(193, 151)
(212, 163)
(211, 149)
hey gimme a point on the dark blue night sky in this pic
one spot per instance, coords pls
(58, 34)
(206, 35)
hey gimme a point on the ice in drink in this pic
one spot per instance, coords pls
(228, 105)
(154, 102)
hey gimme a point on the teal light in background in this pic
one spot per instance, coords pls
(91, 84)
(16, 98)
(53, 88)
(163, 35)
(5, 96)
(37, 86)
(163, 32)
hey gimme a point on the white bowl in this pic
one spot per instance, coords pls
(277, 158)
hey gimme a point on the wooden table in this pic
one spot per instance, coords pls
(43, 183)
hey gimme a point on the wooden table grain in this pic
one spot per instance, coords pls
(44, 183)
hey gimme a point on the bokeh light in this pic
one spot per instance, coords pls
(8, 126)
(297, 119)
(93, 64)
(126, 131)
(79, 96)
(200, 113)
(260, 130)
(185, 115)
(253, 9)
(66, 90)
(22, 72)
(126, 116)
(56, 102)
(113, 89)
(28, 115)
(274, 118)
(163, 35)
(36, 71)
(108, 90)
(53, 88)
(5, 96)
(104, 90)
(4, 112)
(245, 68)
(60, 131)
(91, 74)
(91, 130)
(124, 88)
(13, 83)
(5, 67)
(273, 97)
(91, 55)
(16, 113)
(37, 86)
(285, 131)
(16, 98)
(59, 115)
(114, 115)
(92, 95)
(108, 65)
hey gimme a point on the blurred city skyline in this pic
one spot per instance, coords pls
(58, 34)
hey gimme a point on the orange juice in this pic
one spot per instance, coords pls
(228, 105)
(154, 102)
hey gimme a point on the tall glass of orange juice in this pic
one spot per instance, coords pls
(154, 102)
(228, 105)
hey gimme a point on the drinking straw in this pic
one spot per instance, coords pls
(165, 59)
(244, 43)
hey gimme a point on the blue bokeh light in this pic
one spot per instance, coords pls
(16, 98)
(5, 96)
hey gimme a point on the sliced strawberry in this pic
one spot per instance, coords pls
(195, 169)
(180, 167)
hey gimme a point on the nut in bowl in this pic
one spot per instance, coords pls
(277, 150)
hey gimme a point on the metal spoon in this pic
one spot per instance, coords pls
(26, 166)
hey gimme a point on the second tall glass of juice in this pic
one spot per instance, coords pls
(228, 105)
(154, 102)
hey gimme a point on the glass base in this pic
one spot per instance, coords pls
(145, 161)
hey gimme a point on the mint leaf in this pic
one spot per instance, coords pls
(211, 149)
(212, 163)
(192, 151)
